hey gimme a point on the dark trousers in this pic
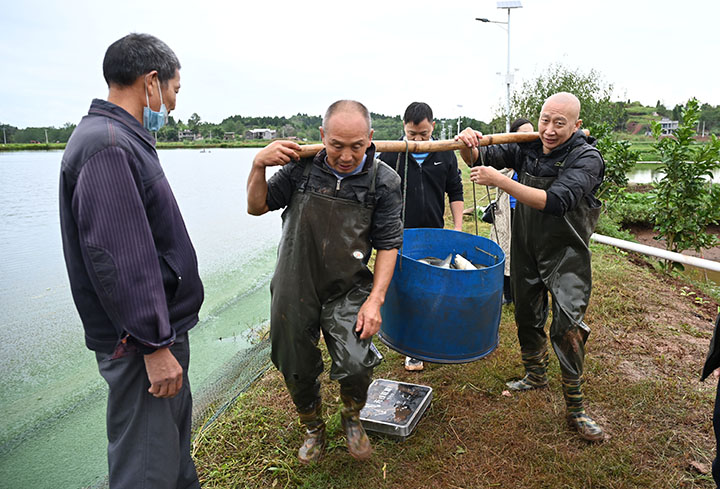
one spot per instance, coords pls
(296, 355)
(148, 438)
(716, 428)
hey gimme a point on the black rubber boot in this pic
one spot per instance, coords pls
(314, 443)
(357, 440)
(576, 416)
(535, 372)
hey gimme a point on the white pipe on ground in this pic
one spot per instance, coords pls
(658, 252)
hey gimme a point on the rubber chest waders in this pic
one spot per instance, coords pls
(551, 254)
(320, 283)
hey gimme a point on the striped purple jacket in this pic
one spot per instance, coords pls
(132, 268)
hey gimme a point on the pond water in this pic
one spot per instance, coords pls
(52, 399)
(648, 173)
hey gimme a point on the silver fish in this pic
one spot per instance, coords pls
(462, 263)
(437, 262)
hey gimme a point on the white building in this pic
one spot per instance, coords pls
(668, 126)
(260, 134)
(187, 135)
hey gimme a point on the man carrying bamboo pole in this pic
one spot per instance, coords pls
(427, 177)
(339, 205)
(556, 213)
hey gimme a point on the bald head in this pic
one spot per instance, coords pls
(568, 102)
(346, 107)
(559, 119)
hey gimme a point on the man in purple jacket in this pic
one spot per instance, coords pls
(132, 268)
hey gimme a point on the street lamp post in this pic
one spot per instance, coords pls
(509, 5)
(459, 117)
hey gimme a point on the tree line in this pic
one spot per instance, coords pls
(13, 135)
(301, 126)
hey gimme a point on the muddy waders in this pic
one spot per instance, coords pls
(320, 283)
(551, 254)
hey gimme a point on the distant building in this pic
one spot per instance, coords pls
(668, 126)
(229, 136)
(260, 134)
(187, 135)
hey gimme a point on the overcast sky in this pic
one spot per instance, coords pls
(283, 57)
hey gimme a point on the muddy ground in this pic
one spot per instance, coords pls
(646, 236)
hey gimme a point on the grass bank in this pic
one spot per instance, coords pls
(32, 147)
(648, 343)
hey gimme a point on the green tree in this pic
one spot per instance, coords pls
(594, 95)
(193, 122)
(677, 112)
(619, 160)
(169, 132)
(686, 200)
(661, 109)
(9, 132)
(709, 118)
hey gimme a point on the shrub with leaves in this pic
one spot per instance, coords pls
(634, 208)
(686, 200)
(619, 160)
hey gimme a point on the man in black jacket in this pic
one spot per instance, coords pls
(556, 213)
(430, 176)
(132, 268)
(338, 206)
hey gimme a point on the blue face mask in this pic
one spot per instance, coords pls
(153, 121)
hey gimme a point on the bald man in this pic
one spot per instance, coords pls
(556, 213)
(338, 206)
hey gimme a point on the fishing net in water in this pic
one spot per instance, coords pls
(237, 374)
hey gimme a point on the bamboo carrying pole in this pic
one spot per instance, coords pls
(311, 150)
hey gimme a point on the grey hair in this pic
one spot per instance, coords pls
(135, 55)
(348, 106)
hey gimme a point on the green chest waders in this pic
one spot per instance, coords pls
(551, 254)
(320, 283)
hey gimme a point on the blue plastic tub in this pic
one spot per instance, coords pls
(440, 315)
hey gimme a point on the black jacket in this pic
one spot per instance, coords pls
(578, 166)
(386, 227)
(713, 357)
(132, 268)
(427, 185)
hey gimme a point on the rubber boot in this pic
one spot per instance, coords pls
(314, 443)
(576, 416)
(536, 364)
(357, 440)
